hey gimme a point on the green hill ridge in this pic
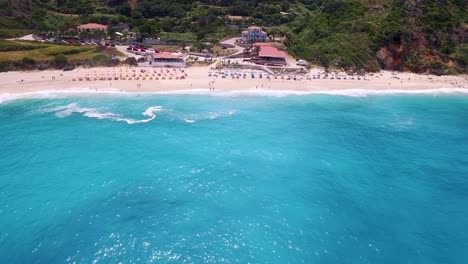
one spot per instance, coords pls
(412, 35)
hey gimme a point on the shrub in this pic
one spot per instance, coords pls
(100, 49)
(437, 67)
(4, 67)
(131, 61)
(28, 62)
(68, 68)
(60, 61)
(73, 51)
(104, 60)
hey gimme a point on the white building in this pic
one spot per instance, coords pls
(254, 34)
(91, 27)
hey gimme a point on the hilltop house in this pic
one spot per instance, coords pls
(92, 27)
(254, 34)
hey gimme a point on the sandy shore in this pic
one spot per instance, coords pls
(197, 78)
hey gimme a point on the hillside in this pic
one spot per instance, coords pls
(414, 35)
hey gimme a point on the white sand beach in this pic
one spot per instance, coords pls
(116, 79)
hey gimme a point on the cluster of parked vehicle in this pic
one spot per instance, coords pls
(139, 50)
(81, 41)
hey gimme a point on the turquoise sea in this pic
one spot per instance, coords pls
(234, 179)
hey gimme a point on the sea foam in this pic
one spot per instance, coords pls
(67, 110)
(343, 92)
(257, 92)
(192, 118)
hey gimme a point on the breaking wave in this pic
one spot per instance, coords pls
(4, 97)
(67, 110)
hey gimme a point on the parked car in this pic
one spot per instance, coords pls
(301, 63)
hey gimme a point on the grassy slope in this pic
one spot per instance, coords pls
(16, 54)
(17, 50)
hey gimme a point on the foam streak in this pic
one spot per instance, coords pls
(64, 111)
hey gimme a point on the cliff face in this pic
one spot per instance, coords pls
(430, 37)
(390, 56)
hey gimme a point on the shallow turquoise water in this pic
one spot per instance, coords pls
(234, 179)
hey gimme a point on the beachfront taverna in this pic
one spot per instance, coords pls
(254, 34)
(167, 59)
(269, 55)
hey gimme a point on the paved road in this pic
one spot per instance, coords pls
(123, 49)
(232, 41)
(27, 37)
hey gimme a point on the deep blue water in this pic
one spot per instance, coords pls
(234, 179)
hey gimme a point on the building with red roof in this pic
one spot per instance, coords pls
(91, 27)
(262, 44)
(167, 59)
(270, 55)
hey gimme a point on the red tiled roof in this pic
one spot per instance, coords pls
(272, 52)
(254, 27)
(92, 26)
(261, 44)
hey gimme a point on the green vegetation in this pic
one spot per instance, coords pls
(60, 61)
(131, 61)
(423, 35)
(31, 55)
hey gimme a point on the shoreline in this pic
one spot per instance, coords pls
(43, 83)
(4, 97)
